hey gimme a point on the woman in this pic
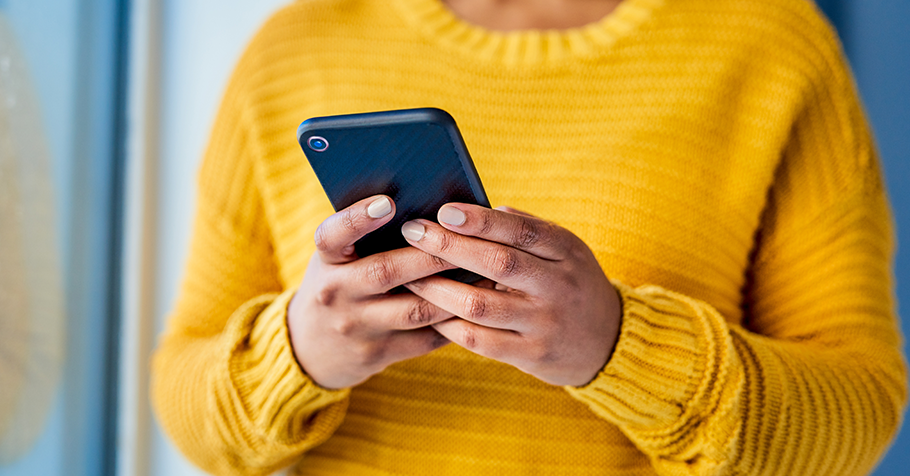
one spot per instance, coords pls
(697, 283)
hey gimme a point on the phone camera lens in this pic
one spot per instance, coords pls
(318, 144)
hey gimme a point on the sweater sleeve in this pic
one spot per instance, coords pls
(226, 386)
(812, 381)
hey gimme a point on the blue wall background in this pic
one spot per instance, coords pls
(876, 37)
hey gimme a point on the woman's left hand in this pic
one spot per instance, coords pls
(553, 313)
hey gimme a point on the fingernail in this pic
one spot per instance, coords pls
(379, 208)
(451, 216)
(413, 231)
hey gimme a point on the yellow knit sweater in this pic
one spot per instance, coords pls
(713, 156)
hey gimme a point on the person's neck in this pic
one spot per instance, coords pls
(510, 15)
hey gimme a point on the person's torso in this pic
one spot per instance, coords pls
(657, 149)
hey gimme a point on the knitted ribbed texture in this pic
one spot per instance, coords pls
(713, 156)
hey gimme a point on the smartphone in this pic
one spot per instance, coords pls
(415, 156)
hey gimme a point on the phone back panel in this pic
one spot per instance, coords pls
(417, 157)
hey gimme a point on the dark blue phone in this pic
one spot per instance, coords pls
(415, 156)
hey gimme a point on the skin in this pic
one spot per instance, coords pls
(547, 308)
(552, 314)
(344, 325)
(510, 15)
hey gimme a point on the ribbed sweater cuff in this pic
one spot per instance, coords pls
(275, 393)
(658, 364)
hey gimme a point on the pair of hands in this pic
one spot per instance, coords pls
(547, 308)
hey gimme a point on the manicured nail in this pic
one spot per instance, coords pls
(379, 208)
(451, 216)
(413, 231)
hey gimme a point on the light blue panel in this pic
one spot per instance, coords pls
(877, 39)
(45, 32)
(69, 47)
(47, 455)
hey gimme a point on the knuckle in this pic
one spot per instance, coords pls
(503, 262)
(526, 235)
(572, 283)
(420, 314)
(475, 306)
(345, 327)
(486, 223)
(446, 242)
(321, 237)
(469, 338)
(381, 271)
(542, 353)
(348, 221)
(370, 353)
(326, 296)
(437, 263)
(570, 243)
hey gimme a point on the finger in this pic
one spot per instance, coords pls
(402, 312)
(403, 345)
(379, 273)
(507, 209)
(501, 263)
(509, 227)
(335, 237)
(485, 307)
(497, 344)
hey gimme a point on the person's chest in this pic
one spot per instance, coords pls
(664, 174)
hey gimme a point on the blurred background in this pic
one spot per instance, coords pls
(116, 98)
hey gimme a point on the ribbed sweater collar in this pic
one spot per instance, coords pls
(525, 47)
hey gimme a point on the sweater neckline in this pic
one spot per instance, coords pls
(525, 47)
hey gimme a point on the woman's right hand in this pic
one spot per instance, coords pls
(344, 325)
